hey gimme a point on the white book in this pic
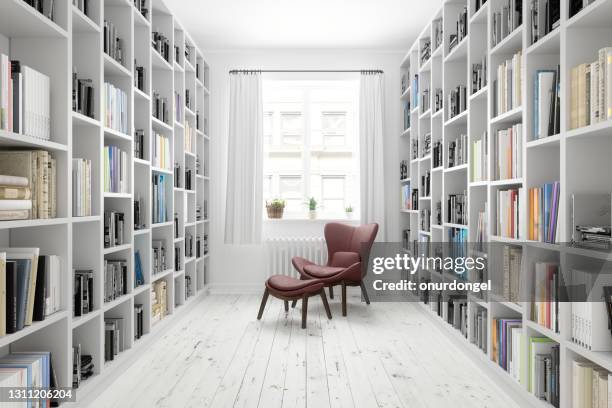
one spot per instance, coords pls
(594, 102)
(13, 181)
(544, 85)
(609, 82)
(15, 204)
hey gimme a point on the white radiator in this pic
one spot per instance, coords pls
(281, 250)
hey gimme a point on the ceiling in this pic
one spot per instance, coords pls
(381, 25)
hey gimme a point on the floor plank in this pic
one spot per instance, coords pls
(382, 355)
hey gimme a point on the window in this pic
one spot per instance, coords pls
(310, 145)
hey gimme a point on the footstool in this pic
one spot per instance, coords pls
(288, 288)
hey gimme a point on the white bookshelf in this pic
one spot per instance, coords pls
(74, 39)
(578, 158)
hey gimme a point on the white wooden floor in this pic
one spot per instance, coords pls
(382, 355)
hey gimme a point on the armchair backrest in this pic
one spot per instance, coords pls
(346, 238)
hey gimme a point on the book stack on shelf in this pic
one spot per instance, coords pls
(161, 152)
(591, 91)
(479, 329)
(115, 279)
(506, 339)
(590, 310)
(511, 264)
(546, 296)
(508, 85)
(31, 370)
(508, 207)
(160, 107)
(437, 154)
(438, 33)
(30, 180)
(543, 375)
(159, 301)
(457, 101)
(480, 159)
(456, 209)
(457, 313)
(81, 184)
(160, 208)
(160, 257)
(83, 95)
(82, 366)
(114, 228)
(161, 44)
(545, 17)
(139, 136)
(479, 75)
(139, 76)
(509, 153)
(457, 151)
(115, 108)
(115, 170)
(547, 101)
(83, 292)
(138, 321)
(543, 213)
(114, 337)
(506, 20)
(113, 44)
(461, 30)
(590, 384)
(25, 104)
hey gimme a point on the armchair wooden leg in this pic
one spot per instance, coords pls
(343, 299)
(331, 292)
(293, 303)
(364, 292)
(325, 304)
(263, 304)
(304, 310)
(286, 305)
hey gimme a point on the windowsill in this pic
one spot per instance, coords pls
(318, 219)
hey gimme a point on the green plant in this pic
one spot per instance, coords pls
(349, 209)
(312, 204)
(277, 204)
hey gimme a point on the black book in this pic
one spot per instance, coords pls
(11, 296)
(78, 295)
(40, 294)
(15, 76)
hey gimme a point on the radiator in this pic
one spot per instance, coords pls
(281, 250)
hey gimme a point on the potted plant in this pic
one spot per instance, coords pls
(349, 211)
(275, 208)
(312, 208)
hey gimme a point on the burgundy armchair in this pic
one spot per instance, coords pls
(347, 247)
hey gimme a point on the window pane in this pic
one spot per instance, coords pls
(291, 127)
(333, 187)
(334, 122)
(267, 127)
(267, 188)
(333, 206)
(290, 189)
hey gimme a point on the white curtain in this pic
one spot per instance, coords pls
(243, 213)
(371, 138)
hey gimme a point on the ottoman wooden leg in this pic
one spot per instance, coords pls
(293, 303)
(304, 310)
(343, 299)
(331, 292)
(325, 304)
(286, 305)
(263, 304)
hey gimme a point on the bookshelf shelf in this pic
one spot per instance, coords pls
(601, 129)
(549, 44)
(425, 115)
(458, 226)
(512, 43)
(512, 116)
(457, 120)
(480, 94)
(480, 16)
(162, 171)
(461, 167)
(595, 15)
(54, 48)
(459, 52)
(507, 182)
(545, 142)
(405, 95)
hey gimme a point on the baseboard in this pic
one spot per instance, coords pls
(235, 288)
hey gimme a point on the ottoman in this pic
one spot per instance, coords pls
(288, 288)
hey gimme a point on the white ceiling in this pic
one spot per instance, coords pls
(382, 25)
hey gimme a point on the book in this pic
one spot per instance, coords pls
(11, 296)
(27, 268)
(138, 275)
(116, 170)
(508, 86)
(543, 212)
(115, 104)
(3, 298)
(15, 193)
(546, 295)
(81, 187)
(545, 86)
(508, 149)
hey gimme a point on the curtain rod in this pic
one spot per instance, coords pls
(253, 71)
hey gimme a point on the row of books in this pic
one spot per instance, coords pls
(404, 169)
(25, 103)
(161, 44)
(546, 295)
(189, 291)
(480, 159)
(114, 228)
(31, 370)
(458, 151)
(116, 170)
(160, 210)
(457, 208)
(114, 337)
(457, 101)
(83, 95)
(406, 115)
(162, 157)
(159, 301)
(115, 279)
(511, 264)
(506, 339)
(190, 133)
(481, 229)
(437, 27)
(547, 101)
(139, 152)
(113, 44)
(545, 17)
(425, 101)
(160, 107)
(590, 315)
(178, 107)
(508, 209)
(410, 197)
(425, 219)
(82, 366)
(461, 30)
(138, 320)
(479, 75)
(509, 153)
(438, 99)
(81, 187)
(577, 5)
(457, 313)
(543, 369)
(31, 287)
(160, 257)
(479, 329)
(505, 21)
(543, 212)
(138, 273)
(436, 154)
(115, 108)
(30, 181)
(425, 51)
(83, 291)
(458, 239)
(591, 385)
(426, 183)
(591, 91)
(139, 76)
(507, 87)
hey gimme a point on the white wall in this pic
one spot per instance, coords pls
(241, 269)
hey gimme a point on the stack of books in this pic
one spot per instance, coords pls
(590, 385)
(15, 198)
(115, 102)
(115, 279)
(543, 212)
(545, 17)
(506, 339)
(138, 275)
(159, 302)
(507, 87)
(138, 321)
(480, 159)
(543, 370)
(590, 316)
(160, 258)
(591, 91)
(114, 228)
(25, 104)
(161, 152)
(505, 21)
(479, 75)
(425, 51)
(82, 366)
(189, 137)
(81, 187)
(457, 313)
(139, 144)
(83, 291)
(511, 264)
(115, 170)
(114, 337)
(437, 27)
(407, 197)
(32, 287)
(160, 211)
(461, 30)
(161, 44)
(28, 370)
(508, 206)
(38, 196)
(545, 305)
(509, 153)
(160, 107)
(457, 208)
(457, 101)
(547, 101)
(479, 329)
(458, 151)
(113, 44)
(83, 95)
